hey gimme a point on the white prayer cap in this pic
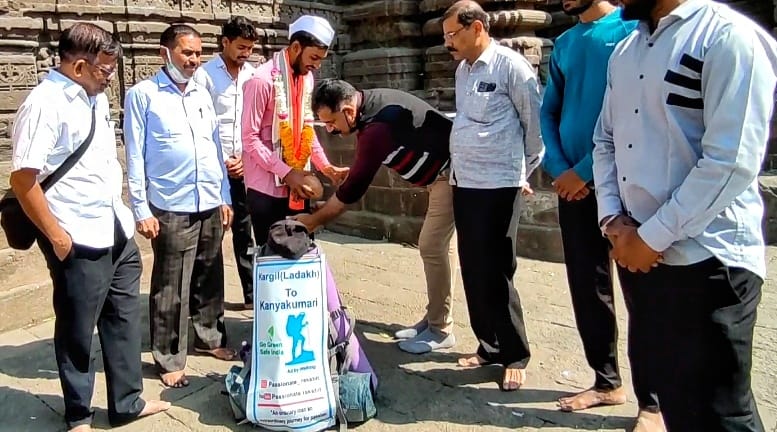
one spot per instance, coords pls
(316, 26)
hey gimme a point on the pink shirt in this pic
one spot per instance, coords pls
(260, 163)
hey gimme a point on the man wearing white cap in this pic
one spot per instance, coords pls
(279, 141)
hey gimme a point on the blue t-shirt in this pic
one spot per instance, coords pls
(573, 97)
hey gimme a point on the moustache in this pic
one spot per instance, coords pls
(452, 49)
(336, 132)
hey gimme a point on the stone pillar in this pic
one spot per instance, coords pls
(384, 40)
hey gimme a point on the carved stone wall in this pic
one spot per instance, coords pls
(385, 44)
(397, 44)
(29, 30)
(513, 24)
(380, 43)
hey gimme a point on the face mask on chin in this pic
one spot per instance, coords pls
(172, 70)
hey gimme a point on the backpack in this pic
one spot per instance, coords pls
(355, 403)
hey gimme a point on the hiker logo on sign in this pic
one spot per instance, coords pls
(295, 324)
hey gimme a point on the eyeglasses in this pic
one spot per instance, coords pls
(450, 35)
(108, 73)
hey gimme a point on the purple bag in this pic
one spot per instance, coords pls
(339, 313)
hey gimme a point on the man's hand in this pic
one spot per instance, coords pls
(234, 167)
(317, 205)
(617, 226)
(62, 244)
(631, 252)
(582, 194)
(526, 190)
(226, 216)
(335, 174)
(568, 184)
(148, 228)
(308, 220)
(295, 180)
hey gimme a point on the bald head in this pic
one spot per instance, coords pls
(466, 13)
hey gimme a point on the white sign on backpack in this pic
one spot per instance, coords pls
(290, 387)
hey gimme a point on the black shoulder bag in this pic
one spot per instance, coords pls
(17, 226)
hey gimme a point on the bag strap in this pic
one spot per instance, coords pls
(71, 160)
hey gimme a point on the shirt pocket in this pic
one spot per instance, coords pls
(477, 106)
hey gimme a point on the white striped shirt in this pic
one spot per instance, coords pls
(682, 134)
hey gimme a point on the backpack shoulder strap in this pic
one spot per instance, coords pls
(71, 160)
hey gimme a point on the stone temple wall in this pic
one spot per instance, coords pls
(380, 43)
(29, 30)
(398, 44)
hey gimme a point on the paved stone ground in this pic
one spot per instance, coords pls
(383, 284)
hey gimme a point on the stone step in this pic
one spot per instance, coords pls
(444, 99)
(25, 286)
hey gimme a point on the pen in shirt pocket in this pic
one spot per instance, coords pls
(201, 116)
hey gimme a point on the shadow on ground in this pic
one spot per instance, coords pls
(429, 388)
(433, 388)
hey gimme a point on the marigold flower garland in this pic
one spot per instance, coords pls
(296, 145)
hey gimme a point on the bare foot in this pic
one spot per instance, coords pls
(591, 398)
(649, 422)
(225, 354)
(175, 379)
(154, 407)
(473, 360)
(81, 428)
(514, 378)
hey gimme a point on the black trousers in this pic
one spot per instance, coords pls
(265, 210)
(187, 280)
(102, 287)
(691, 331)
(486, 228)
(241, 237)
(589, 273)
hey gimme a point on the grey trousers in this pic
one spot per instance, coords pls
(187, 280)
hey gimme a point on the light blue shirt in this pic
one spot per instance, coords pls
(683, 132)
(495, 141)
(174, 159)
